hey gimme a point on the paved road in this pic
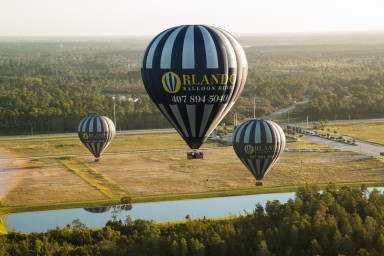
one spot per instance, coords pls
(362, 147)
(286, 110)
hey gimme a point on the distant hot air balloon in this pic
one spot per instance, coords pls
(194, 74)
(96, 132)
(258, 144)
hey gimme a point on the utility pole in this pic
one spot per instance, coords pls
(114, 114)
(288, 117)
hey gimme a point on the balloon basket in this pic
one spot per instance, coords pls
(259, 183)
(97, 159)
(195, 155)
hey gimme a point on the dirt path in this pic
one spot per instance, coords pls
(8, 172)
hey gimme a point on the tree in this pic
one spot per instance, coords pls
(78, 225)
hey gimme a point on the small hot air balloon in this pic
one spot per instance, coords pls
(258, 144)
(96, 132)
(194, 74)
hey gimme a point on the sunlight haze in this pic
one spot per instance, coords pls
(149, 17)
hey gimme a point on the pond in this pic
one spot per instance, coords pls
(165, 211)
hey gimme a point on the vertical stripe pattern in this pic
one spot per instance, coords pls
(186, 71)
(99, 209)
(96, 132)
(258, 144)
(189, 49)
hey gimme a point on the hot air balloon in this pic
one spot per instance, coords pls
(258, 144)
(96, 132)
(194, 74)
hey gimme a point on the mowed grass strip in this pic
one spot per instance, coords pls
(104, 184)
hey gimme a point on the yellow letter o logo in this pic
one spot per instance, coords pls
(171, 82)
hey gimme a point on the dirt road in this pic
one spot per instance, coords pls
(8, 172)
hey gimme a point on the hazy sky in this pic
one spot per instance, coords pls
(150, 17)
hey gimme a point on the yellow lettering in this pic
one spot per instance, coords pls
(194, 79)
(224, 79)
(187, 79)
(232, 79)
(264, 148)
(209, 79)
(205, 80)
(215, 79)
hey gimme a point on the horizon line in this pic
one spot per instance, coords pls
(274, 33)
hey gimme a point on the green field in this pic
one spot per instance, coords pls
(372, 132)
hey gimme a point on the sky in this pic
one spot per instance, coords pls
(150, 17)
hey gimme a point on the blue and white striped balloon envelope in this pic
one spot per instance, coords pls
(258, 144)
(96, 132)
(194, 74)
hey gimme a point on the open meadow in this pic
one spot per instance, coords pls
(145, 167)
(371, 132)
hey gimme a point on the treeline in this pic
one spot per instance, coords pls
(342, 74)
(51, 86)
(48, 86)
(351, 99)
(50, 104)
(335, 221)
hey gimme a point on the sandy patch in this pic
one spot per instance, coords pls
(45, 181)
(9, 172)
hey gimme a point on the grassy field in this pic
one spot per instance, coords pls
(372, 132)
(2, 228)
(128, 169)
(39, 147)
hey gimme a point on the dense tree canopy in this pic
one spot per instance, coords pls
(336, 221)
(49, 85)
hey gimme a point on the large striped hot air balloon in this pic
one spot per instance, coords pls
(96, 132)
(258, 144)
(194, 74)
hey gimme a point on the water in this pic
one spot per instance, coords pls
(157, 211)
(165, 211)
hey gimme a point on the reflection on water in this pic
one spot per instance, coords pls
(157, 211)
(115, 208)
(92, 217)
(99, 209)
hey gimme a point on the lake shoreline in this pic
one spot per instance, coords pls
(158, 212)
(173, 197)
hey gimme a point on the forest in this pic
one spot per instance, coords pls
(49, 85)
(332, 221)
